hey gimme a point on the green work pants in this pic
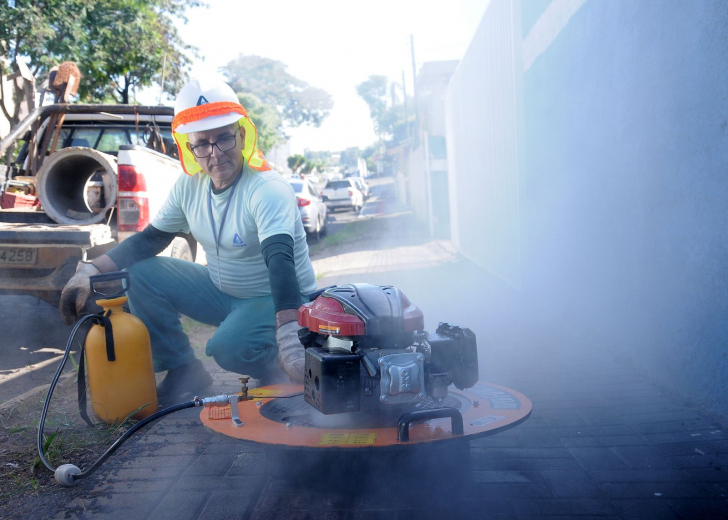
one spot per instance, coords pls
(162, 288)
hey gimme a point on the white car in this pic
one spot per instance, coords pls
(342, 193)
(313, 210)
(362, 185)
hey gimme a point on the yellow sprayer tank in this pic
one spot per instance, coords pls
(124, 387)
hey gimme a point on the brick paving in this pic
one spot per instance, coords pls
(602, 442)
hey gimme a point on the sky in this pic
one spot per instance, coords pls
(334, 45)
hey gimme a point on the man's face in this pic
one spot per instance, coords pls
(222, 167)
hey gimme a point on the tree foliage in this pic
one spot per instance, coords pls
(386, 116)
(349, 157)
(302, 164)
(264, 117)
(374, 92)
(296, 162)
(295, 101)
(119, 45)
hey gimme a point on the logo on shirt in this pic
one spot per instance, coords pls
(238, 242)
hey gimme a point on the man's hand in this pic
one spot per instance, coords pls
(76, 292)
(291, 354)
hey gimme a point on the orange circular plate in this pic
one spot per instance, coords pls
(487, 409)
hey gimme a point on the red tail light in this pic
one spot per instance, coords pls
(132, 202)
(303, 202)
(351, 193)
(130, 179)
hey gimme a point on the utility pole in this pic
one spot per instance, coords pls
(428, 184)
(414, 88)
(406, 113)
(419, 133)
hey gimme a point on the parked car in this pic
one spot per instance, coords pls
(313, 210)
(362, 185)
(342, 193)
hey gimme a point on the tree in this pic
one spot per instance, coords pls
(386, 117)
(374, 91)
(295, 101)
(119, 45)
(296, 162)
(265, 118)
(302, 164)
(349, 157)
(368, 155)
(320, 157)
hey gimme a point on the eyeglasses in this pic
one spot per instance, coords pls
(223, 144)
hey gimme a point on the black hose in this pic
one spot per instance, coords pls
(52, 387)
(130, 432)
(120, 440)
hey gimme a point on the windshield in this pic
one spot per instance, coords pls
(338, 184)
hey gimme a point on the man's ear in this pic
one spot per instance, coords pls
(189, 146)
(242, 134)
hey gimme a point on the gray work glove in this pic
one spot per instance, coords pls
(76, 292)
(291, 354)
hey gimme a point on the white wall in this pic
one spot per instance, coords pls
(587, 148)
(483, 105)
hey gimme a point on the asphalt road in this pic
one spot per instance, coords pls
(32, 340)
(379, 190)
(33, 336)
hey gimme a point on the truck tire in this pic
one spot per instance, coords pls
(180, 248)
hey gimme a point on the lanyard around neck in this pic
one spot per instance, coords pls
(215, 234)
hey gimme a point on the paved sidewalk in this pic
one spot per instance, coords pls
(602, 442)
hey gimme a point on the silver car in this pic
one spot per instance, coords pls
(313, 210)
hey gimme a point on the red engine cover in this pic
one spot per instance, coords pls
(327, 316)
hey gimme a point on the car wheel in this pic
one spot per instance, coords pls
(323, 227)
(180, 248)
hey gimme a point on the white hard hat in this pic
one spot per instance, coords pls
(193, 94)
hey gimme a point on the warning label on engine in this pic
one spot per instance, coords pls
(339, 439)
(328, 329)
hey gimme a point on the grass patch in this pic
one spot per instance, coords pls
(67, 438)
(350, 232)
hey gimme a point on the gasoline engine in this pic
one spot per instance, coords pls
(367, 351)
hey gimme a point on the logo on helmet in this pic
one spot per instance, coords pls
(202, 101)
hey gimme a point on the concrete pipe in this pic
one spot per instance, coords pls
(78, 185)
